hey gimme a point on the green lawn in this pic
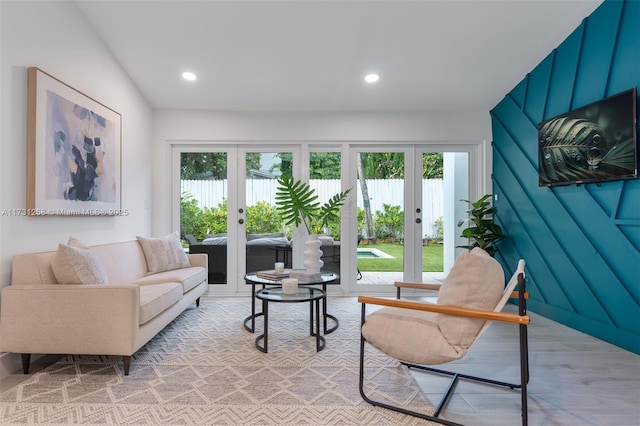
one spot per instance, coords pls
(431, 258)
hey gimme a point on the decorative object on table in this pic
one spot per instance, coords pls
(298, 204)
(484, 232)
(73, 151)
(305, 276)
(274, 275)
(289, 285)
(279, 268)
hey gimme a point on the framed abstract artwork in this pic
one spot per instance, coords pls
(73, 151)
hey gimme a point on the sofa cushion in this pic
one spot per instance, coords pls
(163, 254)
(268, 241)
(215, 241)
(155, 299)
(124, 261)
(74, 265)
(475, 281)
(222, 235)
(258, 236)
(326, 240)
(409, 335)
(188, 277)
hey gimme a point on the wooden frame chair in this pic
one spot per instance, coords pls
(441, 311)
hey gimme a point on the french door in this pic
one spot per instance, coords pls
(227, 207)
(402, 233)
(238, 205)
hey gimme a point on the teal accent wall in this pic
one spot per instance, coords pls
(581, 243)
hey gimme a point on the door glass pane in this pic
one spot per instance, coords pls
(267, 240)
(432, 215)
(203, 208)
(381, 216)
(324, 174)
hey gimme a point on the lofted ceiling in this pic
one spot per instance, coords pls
(313, 55)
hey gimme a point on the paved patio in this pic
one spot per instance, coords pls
(377, 278)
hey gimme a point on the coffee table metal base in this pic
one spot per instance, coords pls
(316, 295)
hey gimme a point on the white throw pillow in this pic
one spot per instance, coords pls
(74, 265)
(164, 254)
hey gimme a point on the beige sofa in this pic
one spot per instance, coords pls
(41, 316)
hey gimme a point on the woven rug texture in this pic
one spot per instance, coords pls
(203, 369)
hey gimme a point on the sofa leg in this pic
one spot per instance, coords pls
(26, 359)
(126, 360)
(198, 302)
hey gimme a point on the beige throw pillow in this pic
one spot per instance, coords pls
(475, 281)
(164, 254)
(74, 265)
(74, 242)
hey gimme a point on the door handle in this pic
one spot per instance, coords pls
(241, 221)
(418, 220)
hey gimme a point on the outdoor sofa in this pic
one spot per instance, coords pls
(262, 252)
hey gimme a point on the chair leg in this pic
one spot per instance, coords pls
(524, 373)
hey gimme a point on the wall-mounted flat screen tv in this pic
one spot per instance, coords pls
(594, 143)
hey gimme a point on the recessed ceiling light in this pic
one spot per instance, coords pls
(371, 78)
(189, 76)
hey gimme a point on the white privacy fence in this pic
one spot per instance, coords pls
(210, 193)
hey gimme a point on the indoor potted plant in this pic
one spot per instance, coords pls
(298, 204)
(484, 231)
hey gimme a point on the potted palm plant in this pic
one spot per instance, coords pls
(484, 231)
(298, 204)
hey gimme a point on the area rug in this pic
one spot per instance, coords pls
(203, 369)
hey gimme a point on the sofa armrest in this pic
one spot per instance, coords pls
(70, 319)
(199, 259)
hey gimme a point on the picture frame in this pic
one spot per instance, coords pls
(73, 151)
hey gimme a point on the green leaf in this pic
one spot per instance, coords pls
(297, 203)
(483, 232)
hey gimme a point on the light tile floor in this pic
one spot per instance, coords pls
(575, 379)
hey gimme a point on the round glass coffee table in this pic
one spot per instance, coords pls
(326, 278)
(304, 294)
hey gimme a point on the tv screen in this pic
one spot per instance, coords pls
(594, 143)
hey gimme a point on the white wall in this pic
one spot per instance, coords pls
(206, 126)
(55, 37)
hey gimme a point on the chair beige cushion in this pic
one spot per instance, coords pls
(163, 254)
(74, 265)
(475, 281)
(409, 335)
